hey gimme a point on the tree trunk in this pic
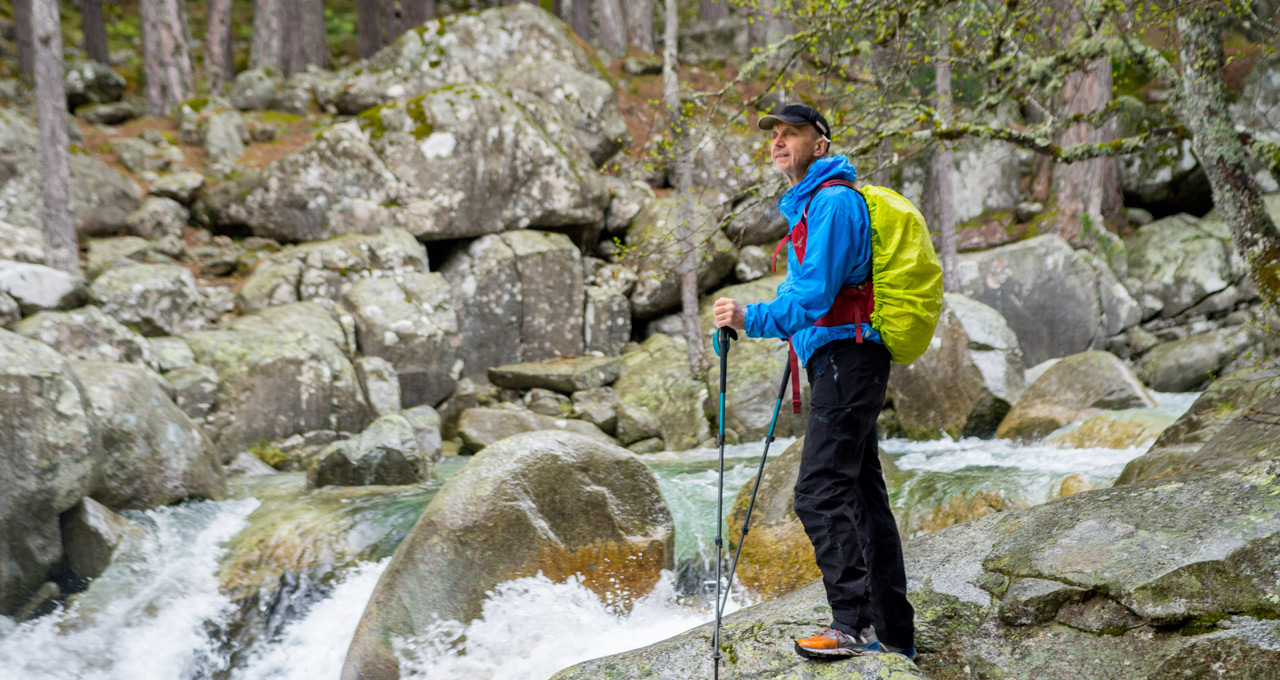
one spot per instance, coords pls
(23, 30)
(166, 57)
(418, 12)
(95, 31)
(219, 67)
(939, 195)
(613, 27)
(302, 40)
(265, 51)
(55, 152)
(368, 27)
(581, 21)
(771, 24)
(1222, 155)
(640, 24)
(714, 10)
(1088, 191)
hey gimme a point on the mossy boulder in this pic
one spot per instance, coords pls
(1181, 260)
(1077, 387)
(388, 452)
(87, 334)
(1114, 430)
(567, 375)
(154, 299)
(1189, 364)
(481, 427)
(552, 502)
(656, 377)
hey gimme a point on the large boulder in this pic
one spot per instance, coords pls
(606, 320)
(327, 269)
(322, 319)
(589, 104)
(216, 124)
(1158, 580)
(1189, 364)
(656, 377)
(50, 456)
(519, 297)
(36, 287)
(480, 427)
(1207, 435)
(410, 322)
(87, 334)
(103, 197)
(730, 160)
(272, 385)
(1047, 293)
(967, 380)
(154, 299)
(22, 243)
(553, 503)
(652, 239)
(397, 166)
(152, 453)
(755, 369)
(1181, 260)
(1077, 387)
(92, 82)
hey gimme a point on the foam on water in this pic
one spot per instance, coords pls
(147, 616)
(531, 628)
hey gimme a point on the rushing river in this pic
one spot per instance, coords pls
(157, 613)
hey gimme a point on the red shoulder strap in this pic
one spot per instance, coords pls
(804, 217)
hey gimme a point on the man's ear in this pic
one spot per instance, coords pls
(826, 146)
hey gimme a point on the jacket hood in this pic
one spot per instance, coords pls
(833, 167)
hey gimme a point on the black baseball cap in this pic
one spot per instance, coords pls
(797, 114)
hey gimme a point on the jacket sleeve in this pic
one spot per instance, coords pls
(837, 243)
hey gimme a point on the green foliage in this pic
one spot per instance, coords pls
(265, 453)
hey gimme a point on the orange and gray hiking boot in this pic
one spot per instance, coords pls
(832, 644)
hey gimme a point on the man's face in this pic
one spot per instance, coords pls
(794, 148)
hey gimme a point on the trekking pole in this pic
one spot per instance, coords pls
(726, 334)
(746, 522)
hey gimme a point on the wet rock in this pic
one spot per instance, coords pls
(380, 383)
(636, 424)
(155, 299)
(51, 456)
(967, 380)
(87, 334)
(410, 322)
(158, 217)
(91, 82)
(179, 186)
(195, 389)
(1189, 364)
(395, 166)
(103, 196)
(153, 454)
(1077, 387)
(90, 534)
(247, 465)
(1181, 260)
(651, 235)
(388, 452)
(519, 297)
(1043, 289)
(549, 502)
(1113, 430)
(480, 427)
(425, 422)
(38, 288)
(327, 269)
(272, 385)
(1227, 425)
(656, 377)
(650, 445)
(587, 103)
(562, 375)
(1072, 484)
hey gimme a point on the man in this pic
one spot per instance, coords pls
(840, 494)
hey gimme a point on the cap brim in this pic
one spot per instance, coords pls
(768, 121)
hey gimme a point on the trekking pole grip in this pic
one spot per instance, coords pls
(726, 334)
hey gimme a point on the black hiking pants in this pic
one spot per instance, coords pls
(841, 497)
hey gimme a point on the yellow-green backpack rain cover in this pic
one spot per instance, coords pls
(905, 273)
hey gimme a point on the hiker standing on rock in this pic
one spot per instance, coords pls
(824, 307)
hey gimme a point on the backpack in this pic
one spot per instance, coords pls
(904, 299)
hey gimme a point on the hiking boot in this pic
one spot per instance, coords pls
(831, 644)
(878, 648)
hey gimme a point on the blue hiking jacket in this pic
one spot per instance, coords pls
(837, 254)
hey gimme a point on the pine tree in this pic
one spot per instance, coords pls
(218, 66)
(55, 152)
(95, 31)
(166, 56)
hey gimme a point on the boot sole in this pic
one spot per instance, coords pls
(826, 654)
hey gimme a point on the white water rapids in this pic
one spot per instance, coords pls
(157, 613)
